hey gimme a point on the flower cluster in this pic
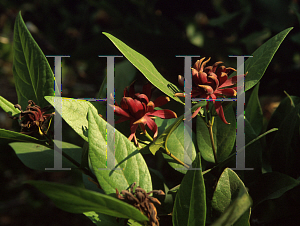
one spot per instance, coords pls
(211, 82)
(34, 121)
(139, 110)
(141, 200)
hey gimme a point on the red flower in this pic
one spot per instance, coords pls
(211, 82)
(140, 110)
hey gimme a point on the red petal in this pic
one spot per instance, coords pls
(197, 65)
(160, 101)
(152, 125)
(120, 112)
(167, 114)
(227, 92)
(181, 80)
(196, 112)
(216, 65)
(229, 82)
(220, 112)
(203, 64)
(150, 106)
(202, 77)
(208, 89)
(122, 119)
(134, 106)
(143, 98)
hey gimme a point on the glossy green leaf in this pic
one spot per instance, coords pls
(74, 112)
(253, 111)
(285, 146)
(146, 68)
(190, 201)
(228, 189)
(171, 126)
(78, 200)
(132, 167)
(271, 186)
(224, 137)
(257, 65)
(8, 107)
(32, 74)
(39, 157)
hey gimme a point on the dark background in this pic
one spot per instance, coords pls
(159, 30)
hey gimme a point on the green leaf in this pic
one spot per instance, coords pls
(233, 155)
(238, 209)
(146, 68)
(78, 200)
(14, 136)
(190, 202)
(160, 141)
(175, 144)
(39, 157)
(283, 151)
(224, 137)
(227, 191)
(284, 108)
(8, 107)
(253, 111)
(32, 74)
(253, 150)
(74, 112)
(100, 219)
(271, 186)
(257, 65)
(127, 157)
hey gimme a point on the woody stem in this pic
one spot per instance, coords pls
(209, 126)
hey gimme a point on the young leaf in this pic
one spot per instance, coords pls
(224, 137)
(130, 163)
(257, 65)
(33, 76)
(8, 107)
(78, 200)
(190, 201)
(39, 157)
(146, 68)
(227, 190)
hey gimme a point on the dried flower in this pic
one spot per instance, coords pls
(211, 82)
(34, 121)
(140, 110)
(142, 201)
